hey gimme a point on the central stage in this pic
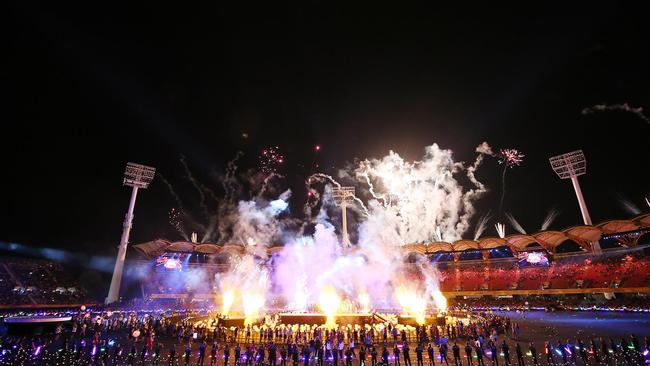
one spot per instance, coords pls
(343, 319)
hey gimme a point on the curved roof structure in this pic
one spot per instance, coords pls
(182, 246)
(440, 246)
(207, 248)
(617, 226)
(491, 242)
(583, 235)
(550, 240)
(643, 220)
(460, 245)
(519, 242)
(415, 248)
(152, 248)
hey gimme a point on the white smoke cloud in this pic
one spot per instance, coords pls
(484, 148)
(411, 202)
(412, 199)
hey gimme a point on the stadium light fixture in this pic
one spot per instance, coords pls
(570, 166)
(342, 196)
(136, 176)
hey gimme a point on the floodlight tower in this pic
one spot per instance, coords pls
(136, 176)
(571, 165)
(342, 196)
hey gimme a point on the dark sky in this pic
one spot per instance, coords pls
(88, 88)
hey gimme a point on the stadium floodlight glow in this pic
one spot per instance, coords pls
(342, 196)
(135, 176)
(570, 166)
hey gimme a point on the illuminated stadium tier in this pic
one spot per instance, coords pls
(517, 265)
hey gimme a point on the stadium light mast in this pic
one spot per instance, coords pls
(571, 165)
(342, 196)
(135, 176)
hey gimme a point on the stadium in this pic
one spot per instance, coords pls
(518, 265)
(325, 184)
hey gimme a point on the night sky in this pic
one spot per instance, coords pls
(88, 88)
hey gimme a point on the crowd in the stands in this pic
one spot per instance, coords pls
(37, 282)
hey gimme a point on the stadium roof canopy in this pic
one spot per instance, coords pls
(549, 240)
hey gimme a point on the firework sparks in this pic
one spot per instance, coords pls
(550, 217)
(269, 160)
(501, 229)
(628, 206)
(176, 222)
(481, 225)
(515, 224)
(510, 157)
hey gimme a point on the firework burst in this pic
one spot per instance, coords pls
(176, 222)
(270, 159)
(509, 158)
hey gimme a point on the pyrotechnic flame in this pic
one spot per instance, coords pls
(439, 300)
(329, 304)
(252, 302)
(364, 302)
(412, 303)
(227, 299)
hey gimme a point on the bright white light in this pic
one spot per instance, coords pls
(172, 263)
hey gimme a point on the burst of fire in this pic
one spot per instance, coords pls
(227, 299)
(440, 301)
(252, 302)
(412, 303)
(329, 304)
(364, 302)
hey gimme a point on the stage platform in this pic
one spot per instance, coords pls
(341, 319)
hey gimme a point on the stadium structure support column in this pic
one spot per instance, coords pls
(344, 224)
(581, 200)
(571, 165)
(136, 176)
